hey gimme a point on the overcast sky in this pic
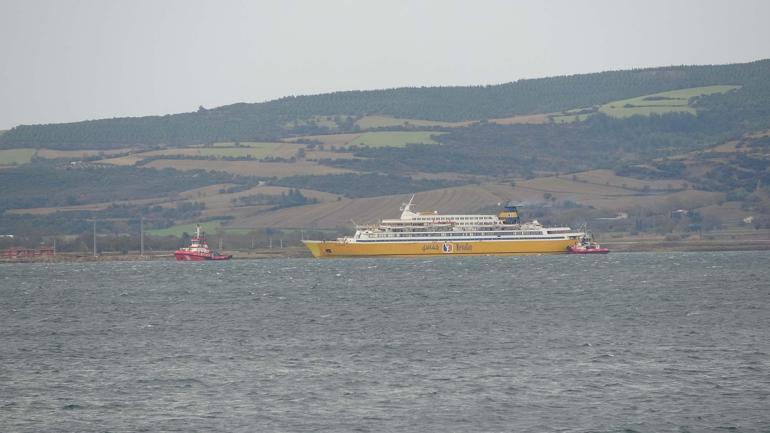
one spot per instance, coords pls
(73, 60)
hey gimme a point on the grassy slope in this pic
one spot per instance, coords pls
(370, 122)
(611, 199)
(16, 156)
(78, 154)
(374, 138)
(601, 189)
(249, 168)
(178, 230)
(675, 101)
(393, 138)
(219, 150)
(436, 104)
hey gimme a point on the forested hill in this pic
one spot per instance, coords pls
(289, 116)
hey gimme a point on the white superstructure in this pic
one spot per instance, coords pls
(434, 227)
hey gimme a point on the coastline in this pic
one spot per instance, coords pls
(618, 245)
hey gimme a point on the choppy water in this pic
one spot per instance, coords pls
(624, 342)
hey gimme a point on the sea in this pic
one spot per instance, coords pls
(625, 342)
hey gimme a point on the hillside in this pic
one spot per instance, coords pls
(669, 150)
(339, 111)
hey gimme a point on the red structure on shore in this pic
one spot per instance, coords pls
(22, 253)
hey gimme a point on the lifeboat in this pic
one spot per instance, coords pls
(199, 250)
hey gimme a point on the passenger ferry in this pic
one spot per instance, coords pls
(430, 233)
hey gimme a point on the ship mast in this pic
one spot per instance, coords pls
(406, 209)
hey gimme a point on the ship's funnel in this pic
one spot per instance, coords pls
(510, 215)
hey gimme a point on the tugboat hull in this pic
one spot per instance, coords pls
(578, 249)
(185, 256)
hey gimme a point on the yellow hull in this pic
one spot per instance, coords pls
(492, 247)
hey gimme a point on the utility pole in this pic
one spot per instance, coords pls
(94, 237)
(54, 246)
(141, 236)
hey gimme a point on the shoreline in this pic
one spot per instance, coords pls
(620, 245)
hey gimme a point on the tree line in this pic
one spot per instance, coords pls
(291, 116)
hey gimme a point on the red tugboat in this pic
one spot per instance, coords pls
(199, 250)
(587, 246)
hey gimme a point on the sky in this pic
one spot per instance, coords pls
(72, 60)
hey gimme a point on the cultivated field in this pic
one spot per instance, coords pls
(257, 150)
(374, 139)
(467, 199)
(370, 122)
(393, 138)
(369, 210)
(249, 168)
(16, 156)
(609, 178)
(218, 150)
(315, 155)
(122, 160)
(81, 153)
(336, 140)
(660, 103)
(532, 119)
(216, 200)
(197, 194)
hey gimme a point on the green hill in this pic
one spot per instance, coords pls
(674, 101)
(297, 115)
(687, 137)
